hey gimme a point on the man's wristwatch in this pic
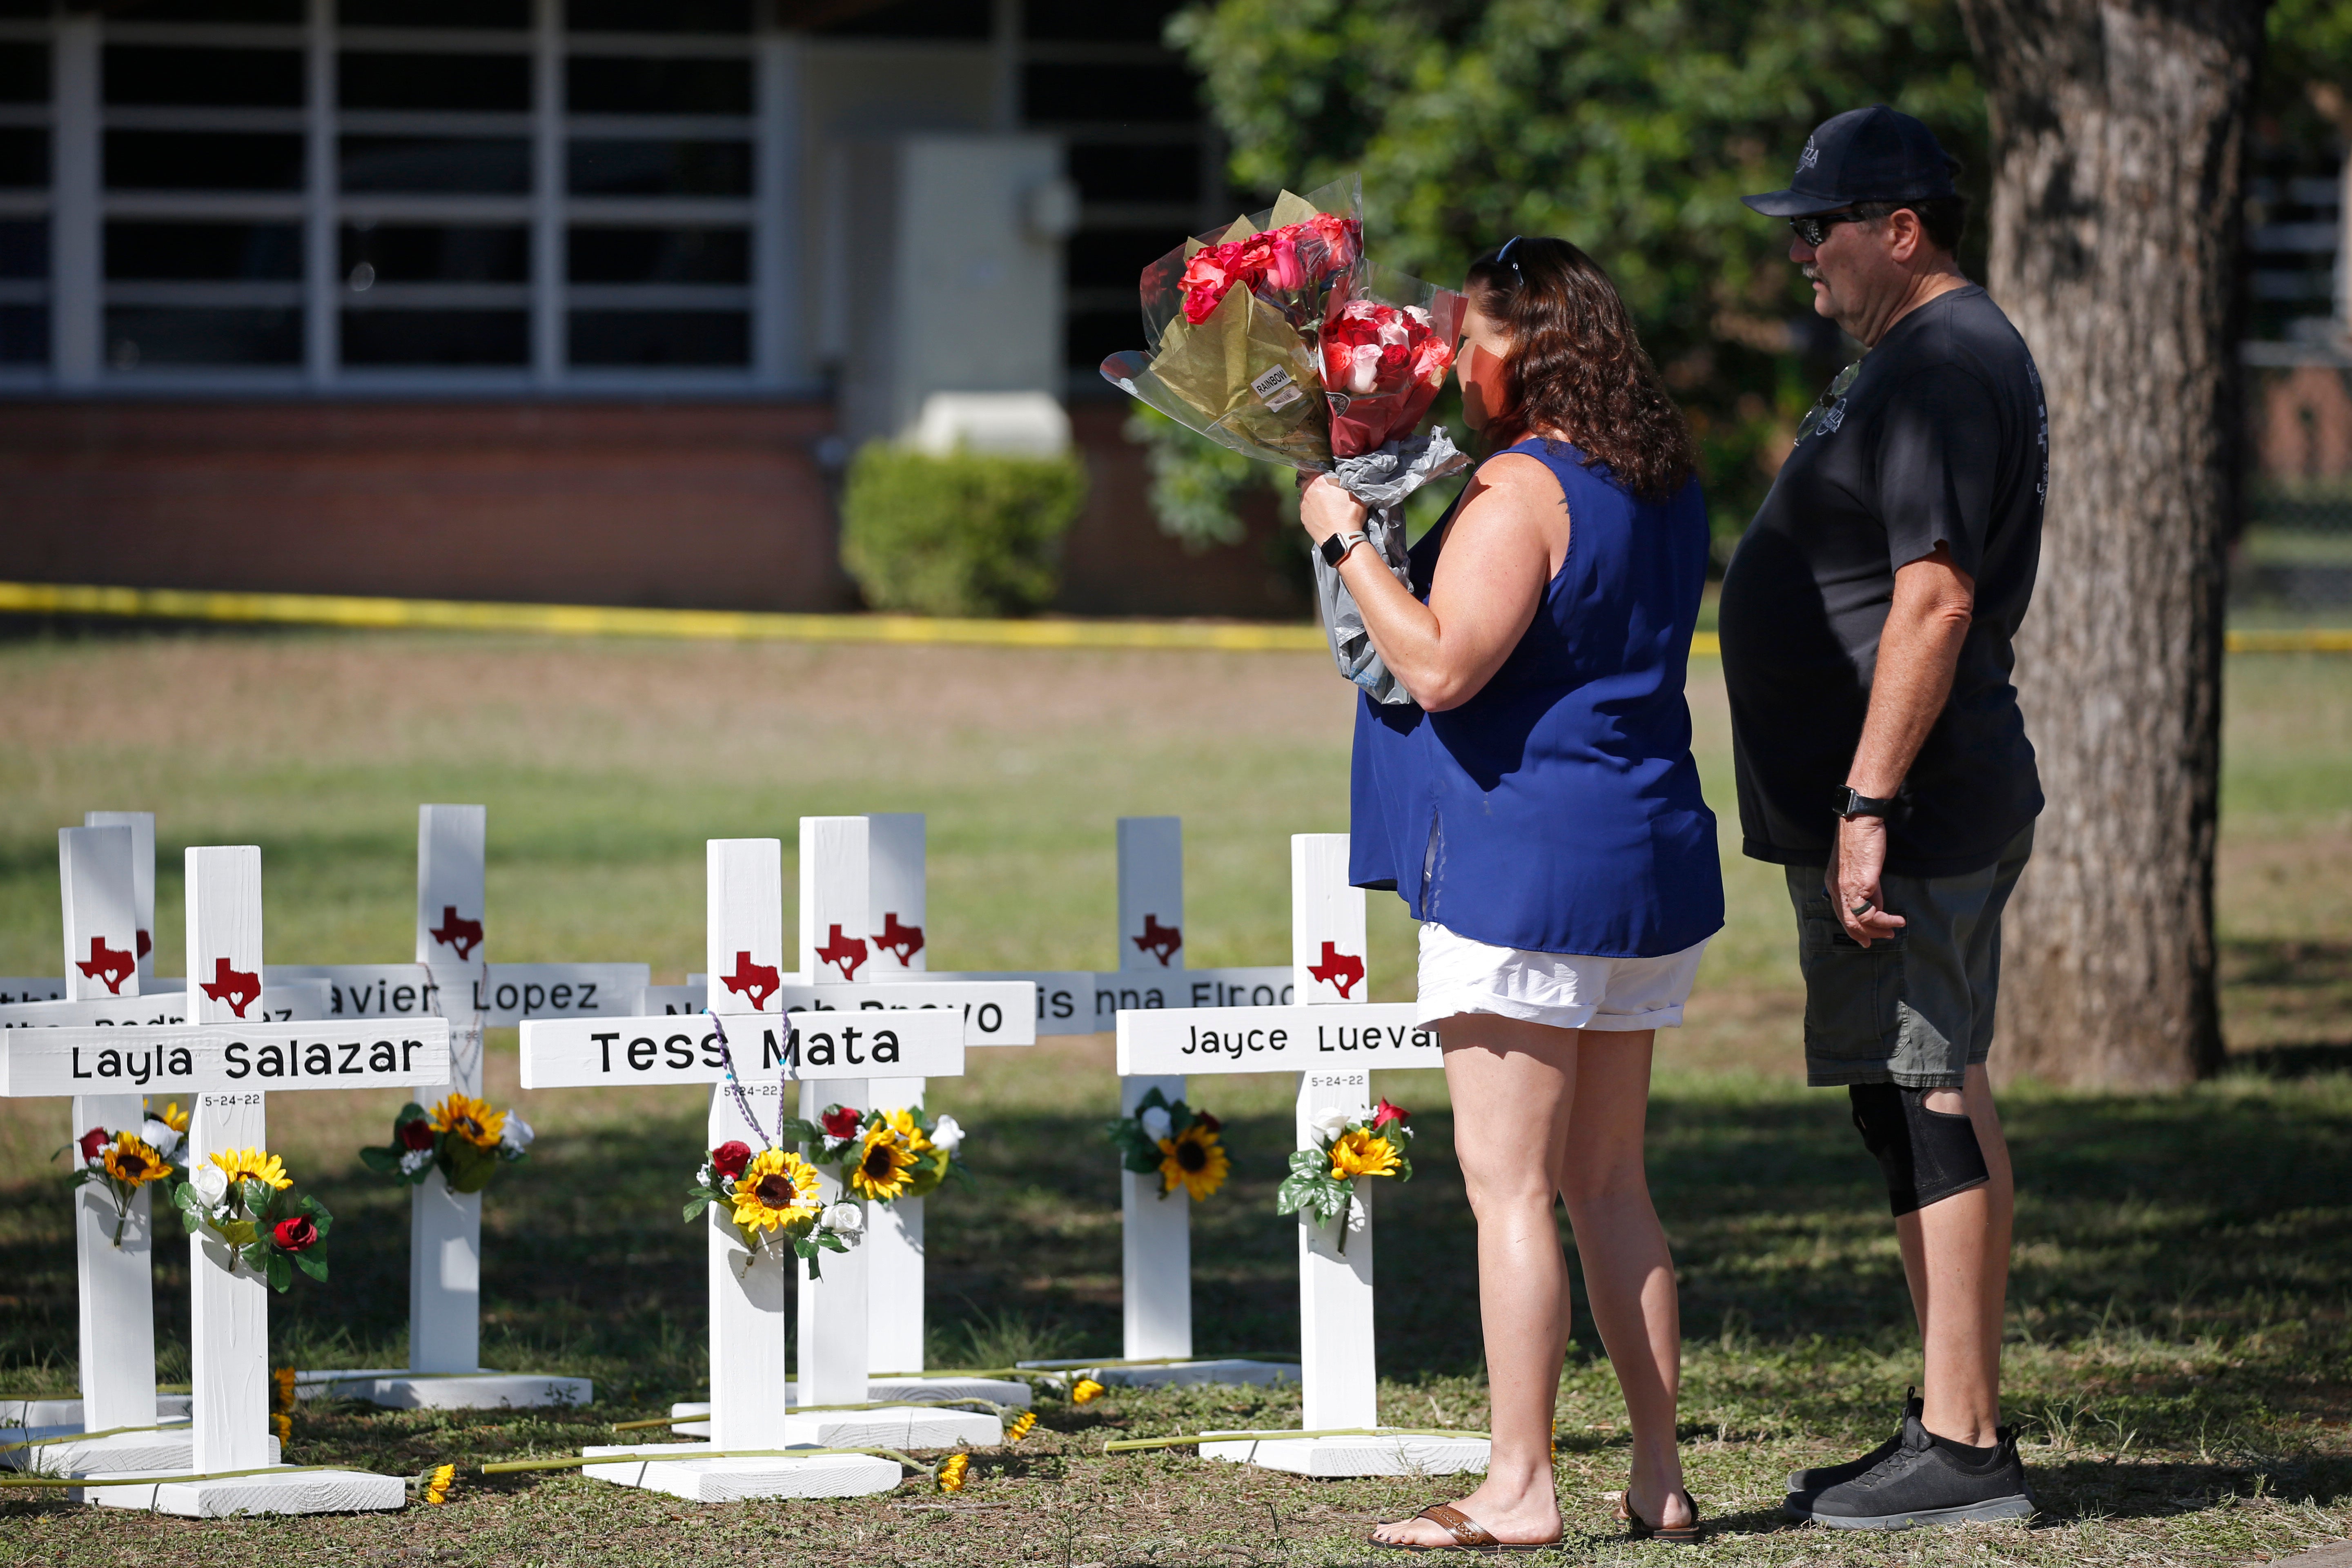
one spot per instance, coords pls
(1335, 548)
(1852, 803)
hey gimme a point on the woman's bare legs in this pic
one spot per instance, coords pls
(1629, 1277)
(1520, 1124)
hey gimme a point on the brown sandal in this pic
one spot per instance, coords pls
(1469, 1535)
(1640, 1528)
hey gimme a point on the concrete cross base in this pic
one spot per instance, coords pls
(1324, 1458)
(649, 1466)
(400, 1389)
(1186, 1374)
(290, 1490)
(16, 1414)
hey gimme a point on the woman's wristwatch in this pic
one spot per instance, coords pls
(1335, 548)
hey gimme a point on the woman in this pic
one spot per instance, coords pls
(1539, 813)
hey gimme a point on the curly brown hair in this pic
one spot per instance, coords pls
(1577, 367)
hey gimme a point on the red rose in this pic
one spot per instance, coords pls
(93, 1142)
(730, 1158)
(1384, 1113)
(296, 1234)
(417, 1134)
(1206, 1122)
(841, 1121)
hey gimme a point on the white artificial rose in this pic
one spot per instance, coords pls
(1329, 1125)
(211, 1184)
(160, 1137)
(1156, 1123)
(947, 1133)
(516, 1136)
(414, 1161)
(845, 1218)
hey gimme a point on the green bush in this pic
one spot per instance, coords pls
(963, 535)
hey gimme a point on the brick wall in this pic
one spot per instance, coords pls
(717, 505)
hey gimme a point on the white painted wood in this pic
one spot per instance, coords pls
(589, 1052)
(736, 1480)
(1332, 1458)
(396, 1389)
(444, 1228)
(832, 1306)
(1327, 923)
(1150, 892)
(1335, 1288)
(834, 907)
(505, 995)
(897, 899)
(115, 1297)
(292, 1490)
(178, 1058)
(291, 1001)
(114, 1284)
(1155, 1232)
(745, 939)
(1155, 1249)
(97, 885)
(229, 1310)
(1275, 1040)
(142, 877)
(452, 880)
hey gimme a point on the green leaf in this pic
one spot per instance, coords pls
(800, 1130)
(466, 1167)
(313, 1264)
(383, 1162)
(280, 1277)
(695, 1209)
(319, 1214)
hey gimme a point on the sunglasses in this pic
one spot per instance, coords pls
(1813, 230)
(1502, 257)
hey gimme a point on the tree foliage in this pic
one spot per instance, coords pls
(1631, 127)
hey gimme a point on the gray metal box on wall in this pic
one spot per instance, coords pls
(954, 275)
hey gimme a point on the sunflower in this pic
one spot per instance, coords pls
(132, 1161)
(776, 1190)
(436, 1488)
(1018, 1427)
(884, 1163)
(903, 1123)
(470, 1118)
(1194, 1160)
(952, 1472)
(254, 1164)
(173, 1117)
(1357, 1153)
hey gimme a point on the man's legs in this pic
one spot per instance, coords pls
(1956, 1257)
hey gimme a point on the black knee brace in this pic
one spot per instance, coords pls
(1928, 1156)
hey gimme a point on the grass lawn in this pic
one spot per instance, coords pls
(2181, 1326)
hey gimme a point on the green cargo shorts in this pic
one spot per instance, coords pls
(1916, 1010)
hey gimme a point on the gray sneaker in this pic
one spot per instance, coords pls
(1826, 1476)
(1921, 1483)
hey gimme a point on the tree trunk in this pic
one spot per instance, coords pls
(2118, 132)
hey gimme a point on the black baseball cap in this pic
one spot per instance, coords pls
(1874, 155)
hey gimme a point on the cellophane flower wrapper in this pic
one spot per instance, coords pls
(1293, 255)
(1231, 319)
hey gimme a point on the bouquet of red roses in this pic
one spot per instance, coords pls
(1386, 346)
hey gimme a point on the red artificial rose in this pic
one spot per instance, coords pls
(296, 1234)
(93, 1142)
(1384, 1113)
(842, 1121)
(730, 1158)
(417, 1134)
(1206, 1122)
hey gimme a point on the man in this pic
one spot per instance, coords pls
(1866, 621)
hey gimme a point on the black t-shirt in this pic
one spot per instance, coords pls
(1940, 438)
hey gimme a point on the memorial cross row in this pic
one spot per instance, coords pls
(747, 1050)
(229, 1065)
(1332, 1038)
(453, 978)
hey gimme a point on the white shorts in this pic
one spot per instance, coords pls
(1563, 990)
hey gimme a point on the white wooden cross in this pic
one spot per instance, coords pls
(229, 1062)
(97, 872)
(453, 978)
(751, 1407)
(1332, 1038)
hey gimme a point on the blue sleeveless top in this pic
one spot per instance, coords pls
(1559, 809)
